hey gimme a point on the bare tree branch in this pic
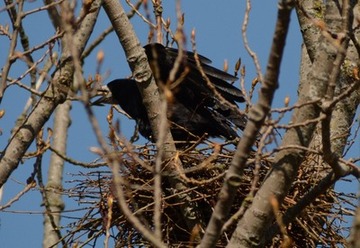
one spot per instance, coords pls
(257, 117)
(53, 199)
(259, 216)
(147, 86)
(54, 95)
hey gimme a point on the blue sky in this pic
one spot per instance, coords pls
(218, 36)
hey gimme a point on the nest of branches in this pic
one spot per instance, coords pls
(203, 169)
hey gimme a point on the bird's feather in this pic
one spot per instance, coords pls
(196, 109)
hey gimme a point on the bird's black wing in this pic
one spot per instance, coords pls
(204, 61)
(196, 86)
(164, 58)
(186, 123)
(190, 56)
(196, 109)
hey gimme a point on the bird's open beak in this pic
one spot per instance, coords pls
(105, 96)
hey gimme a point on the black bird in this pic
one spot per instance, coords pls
(196, 109)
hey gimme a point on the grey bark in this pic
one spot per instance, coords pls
(54, 95)
(257, 117)
(253, 226)
(53, 201)
(145, 81)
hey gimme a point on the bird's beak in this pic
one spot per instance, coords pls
(105, 96)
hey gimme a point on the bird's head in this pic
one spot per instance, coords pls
(105, 97)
